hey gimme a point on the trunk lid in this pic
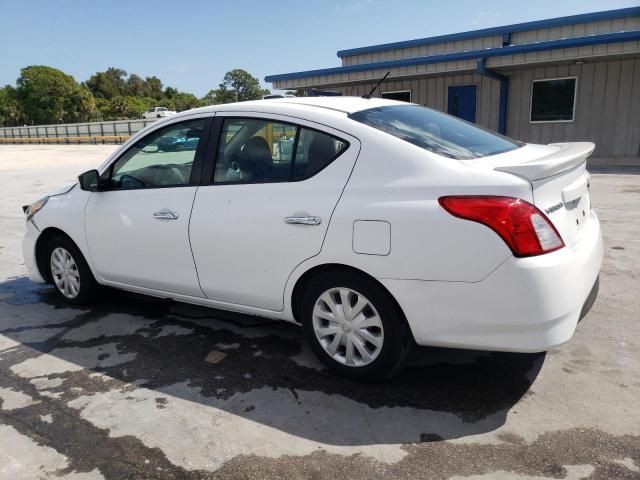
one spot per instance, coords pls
(559, 181)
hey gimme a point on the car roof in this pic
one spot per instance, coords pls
(344, 105)
(339, 103)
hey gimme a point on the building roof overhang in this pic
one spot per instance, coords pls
(597, 39)
(502, 30)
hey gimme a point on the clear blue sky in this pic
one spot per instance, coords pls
(190, 44)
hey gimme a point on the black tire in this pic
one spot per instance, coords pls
(397, 342)
(88, 286)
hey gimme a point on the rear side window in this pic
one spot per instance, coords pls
(315, 150)
(254, 150)
(435, 131)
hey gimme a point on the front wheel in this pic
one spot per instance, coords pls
(354, 326)
(70, 273)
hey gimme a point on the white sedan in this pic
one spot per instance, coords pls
(372, 223)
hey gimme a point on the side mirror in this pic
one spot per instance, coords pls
(90, 181)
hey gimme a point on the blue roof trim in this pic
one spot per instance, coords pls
(449, 57)
(516, 27)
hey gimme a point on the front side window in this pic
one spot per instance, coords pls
(553, 100)
(435, 131)
(161, 159)
(259, 151)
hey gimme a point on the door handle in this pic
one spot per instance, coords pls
(165, 215)
(303, 220)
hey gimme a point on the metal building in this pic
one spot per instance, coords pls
(563, 79)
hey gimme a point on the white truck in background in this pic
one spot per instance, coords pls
(158, 112)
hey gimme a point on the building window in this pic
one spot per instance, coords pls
(400, 95)
(553, 100)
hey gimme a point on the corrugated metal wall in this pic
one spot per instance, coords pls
(432, 92)
(607, 103)
(607, 107)
(530, 36)
(425, 50)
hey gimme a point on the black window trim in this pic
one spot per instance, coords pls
(382, 94)
(198, 158)
(575, 99)
(216, 132)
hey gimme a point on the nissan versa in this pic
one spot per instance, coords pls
(372, 223)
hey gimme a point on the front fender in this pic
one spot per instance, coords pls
(64, 212)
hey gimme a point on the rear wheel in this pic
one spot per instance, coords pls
(354, 326)
(69, 272)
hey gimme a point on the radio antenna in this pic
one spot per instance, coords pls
(376, 85)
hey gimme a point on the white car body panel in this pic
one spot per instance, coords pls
(456, 281)
(239, 229)
(64, 212)
(147, 252)
(525, 305)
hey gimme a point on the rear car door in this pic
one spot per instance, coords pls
(275, 184)
(137, 225)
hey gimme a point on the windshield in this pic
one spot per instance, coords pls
(435, 131)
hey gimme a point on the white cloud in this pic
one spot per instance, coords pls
(181, 67)
(351, 6)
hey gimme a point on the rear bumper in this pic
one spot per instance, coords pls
(525, 305)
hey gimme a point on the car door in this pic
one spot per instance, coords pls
(267, 209)
(137, 225)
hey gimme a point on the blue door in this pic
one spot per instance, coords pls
(462, 102)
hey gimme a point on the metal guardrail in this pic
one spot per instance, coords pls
(91, 132)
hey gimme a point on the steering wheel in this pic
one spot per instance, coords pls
(129, 181)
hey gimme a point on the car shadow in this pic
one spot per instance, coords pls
(615, 169)
(256, 368)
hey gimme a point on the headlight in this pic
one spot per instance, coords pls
(35, 207)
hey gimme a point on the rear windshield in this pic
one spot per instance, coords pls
(435, 131)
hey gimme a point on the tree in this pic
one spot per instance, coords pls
(108, 84)
(136, 86)
(119, 107)
(219, 96)
(170, 93)
(82, 105)
(136, 106)
(48, 95)
(10, 110)
(237, 86)
(185, 101)
(155, 87)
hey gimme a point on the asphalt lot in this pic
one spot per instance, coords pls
(142, 388)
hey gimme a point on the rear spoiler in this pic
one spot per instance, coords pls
(567, 156)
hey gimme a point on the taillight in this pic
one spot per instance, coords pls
(524, 228)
